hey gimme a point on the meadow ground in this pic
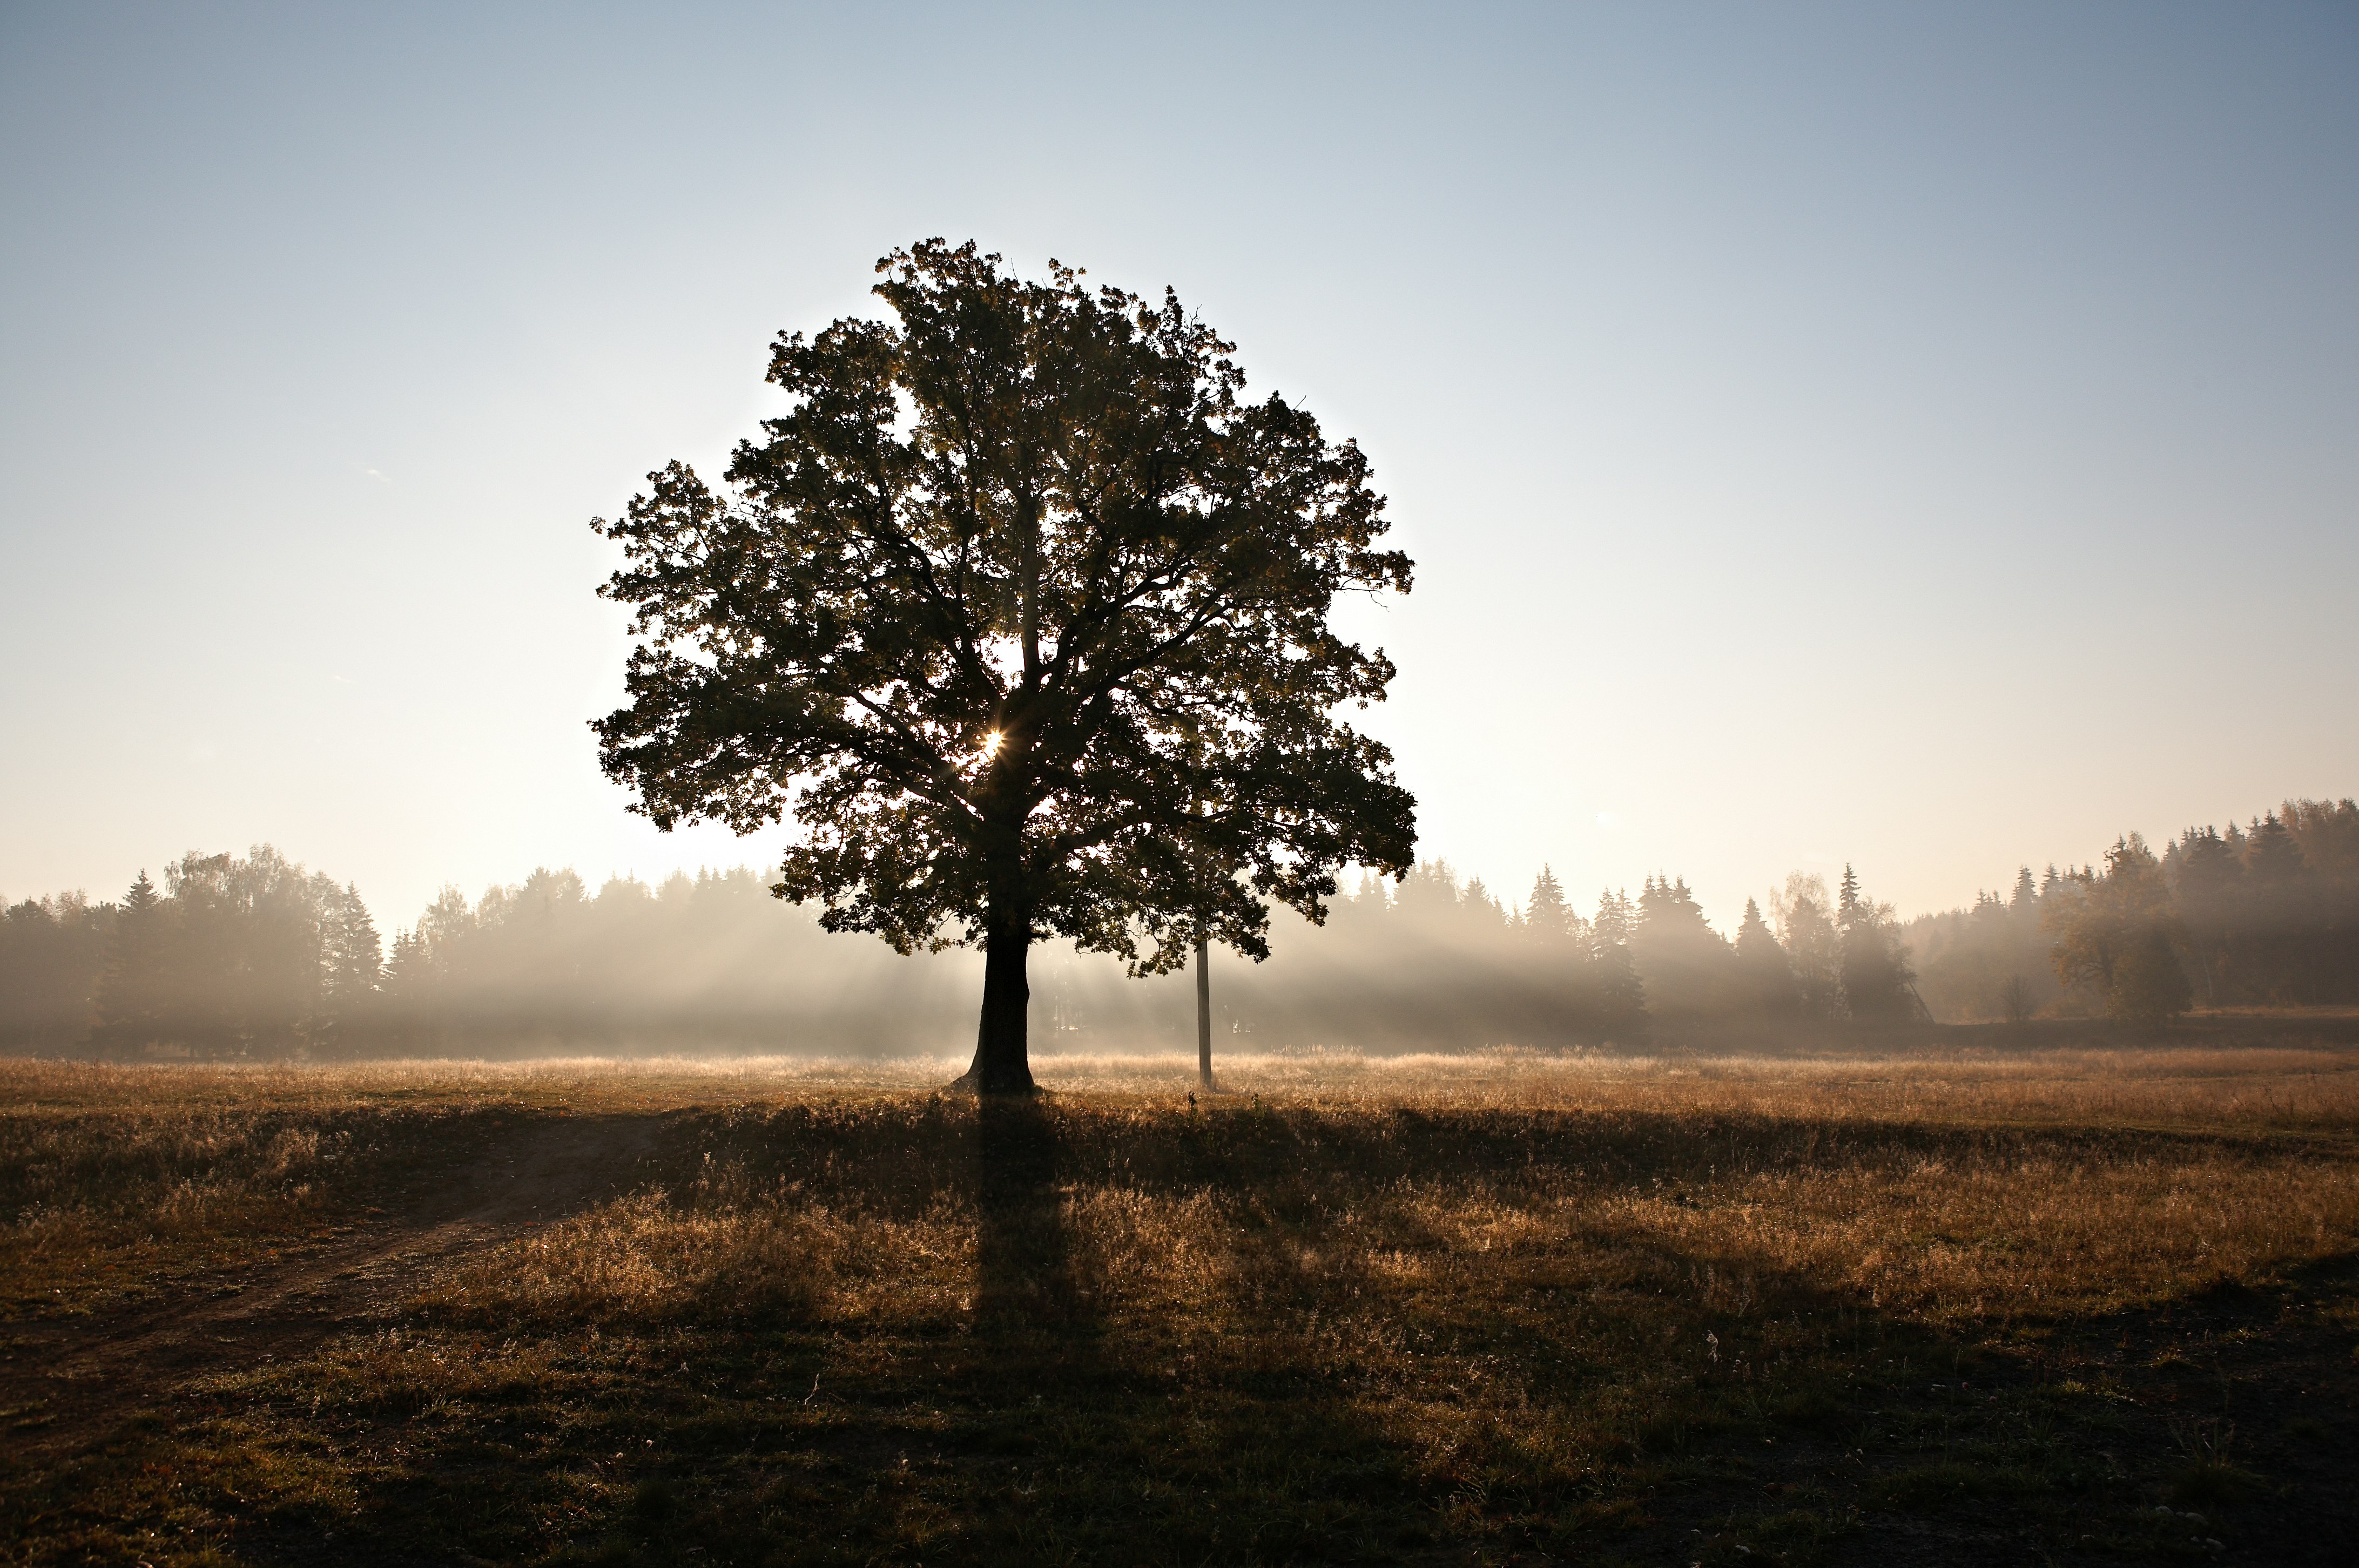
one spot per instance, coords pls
(2050, 1306)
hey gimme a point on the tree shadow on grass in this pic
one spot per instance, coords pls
(1083, 1437)
(1026, 1301)
(1036, 1422)
(1317, 1401)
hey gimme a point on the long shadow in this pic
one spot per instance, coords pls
(1031, 1424)
(1041, 1422)
(91, 1376)
(1025, 1300)
(1112, 1450)
(1936, 1433)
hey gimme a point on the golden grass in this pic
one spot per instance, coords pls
(1350, 1307)
(1940, 1219)
(136, 1161)
(2286, 1085)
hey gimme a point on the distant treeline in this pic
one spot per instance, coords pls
(254, 956)
(2261, 915)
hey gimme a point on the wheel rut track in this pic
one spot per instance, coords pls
(88, 1377)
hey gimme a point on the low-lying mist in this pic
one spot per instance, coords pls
(256, 956)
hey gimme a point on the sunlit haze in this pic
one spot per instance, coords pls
(1922, 437)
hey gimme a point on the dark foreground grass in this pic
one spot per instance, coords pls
(1114, 1329)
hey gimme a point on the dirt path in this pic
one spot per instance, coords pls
(87, 1378)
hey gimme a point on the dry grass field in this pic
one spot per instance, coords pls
(2043, 1306)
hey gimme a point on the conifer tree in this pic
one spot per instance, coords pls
(405, 968)
(1620, 997)
(1769, 975)
(1813, 945)
(1482, 913)
(1683, 963)
(1875, 972)
(131, 993)
(352, 958)
(2208, 884)
(1548, 919)
(2271, 855)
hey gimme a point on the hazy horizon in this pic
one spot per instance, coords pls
(1825, 436)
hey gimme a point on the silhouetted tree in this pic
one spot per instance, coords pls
(237, 953)
(1806, 929)
(1875, 971)
(1989, 962)
(1484, 915)
(352, 955)
(53, 956)
(1619, 996)
(1765, 977)
(2208, 883)
(2279, 916)
(1683, 963)
(2327, 834)
(1018, 584)
(406, 975)
(2117, 937)
(133, 996)
(1548, 918)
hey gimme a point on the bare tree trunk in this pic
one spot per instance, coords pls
(1002, 1065)
(1203, 1018)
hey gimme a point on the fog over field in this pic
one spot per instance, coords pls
(250, 955)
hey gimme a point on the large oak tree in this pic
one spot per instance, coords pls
(1021, 611)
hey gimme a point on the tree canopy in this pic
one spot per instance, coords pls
(1021, 613)
(2119, 934)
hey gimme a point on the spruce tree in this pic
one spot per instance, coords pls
(1548, 919)
(130, 992)
(1876, 977)
(1813, 945)
(1683, 963)
(2271, 855)
(352, 958)
(1618, 996)
(1768, 974)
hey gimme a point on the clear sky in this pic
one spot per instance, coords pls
(1925, 437)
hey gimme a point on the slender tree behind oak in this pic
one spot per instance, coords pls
(1021, 611)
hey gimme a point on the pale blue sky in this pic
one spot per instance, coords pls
(1917, 436)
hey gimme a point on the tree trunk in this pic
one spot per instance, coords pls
(1203, 1017)
(1001, 1064)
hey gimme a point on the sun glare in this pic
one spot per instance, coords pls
(991, 745)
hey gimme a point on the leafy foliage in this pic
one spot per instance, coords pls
(1021, 613)
(2117, 934)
